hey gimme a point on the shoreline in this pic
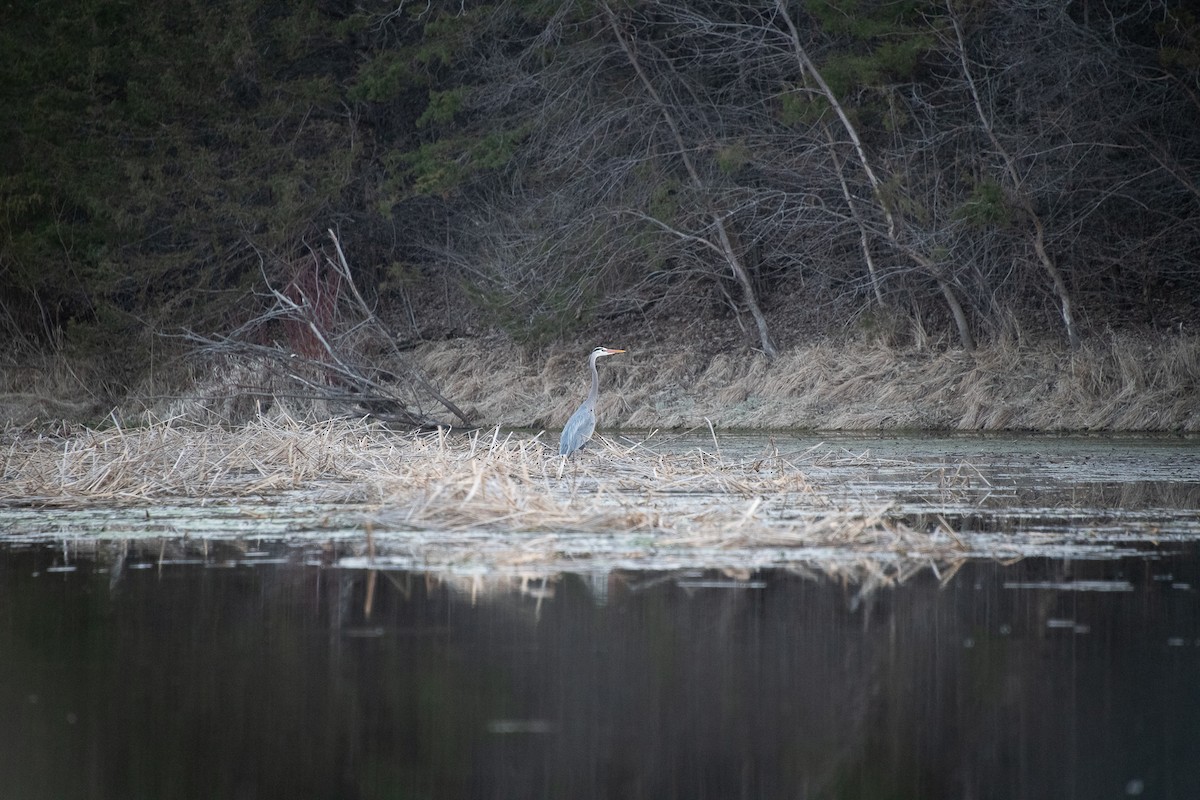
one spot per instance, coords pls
(1129, 384)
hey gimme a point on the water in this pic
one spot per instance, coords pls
(243, 651)
(257, 675)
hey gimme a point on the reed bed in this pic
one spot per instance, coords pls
(166, 460)
(458, 490)
(1118, 383)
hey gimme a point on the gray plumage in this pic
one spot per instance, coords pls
(582, 423)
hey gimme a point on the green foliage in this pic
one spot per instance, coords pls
(355, 24)
(297, 32)
(547, 9)
(383, 77)
(445, 165)
(533, 320)
(895, 195)
(866, 19)
(1179, 34)
(986, 206)
(732, 157)
(848, 71)
(153, 151)
(442, 107)
(400, 275)
(800, 107)
(450, 146)
(886, 62)
(887, 40)
(899, 59)
(446, 35)
(145, 143)
(665, 200)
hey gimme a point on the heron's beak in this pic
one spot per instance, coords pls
(613, 352)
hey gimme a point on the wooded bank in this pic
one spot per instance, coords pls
(1009, 184)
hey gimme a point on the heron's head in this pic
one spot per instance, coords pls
(605, 351)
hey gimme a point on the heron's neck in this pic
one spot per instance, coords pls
(594, 394)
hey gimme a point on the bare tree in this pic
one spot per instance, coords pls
(895, 234)
(724, 240)
(330, 346)
(1016, 185)
(670, 145)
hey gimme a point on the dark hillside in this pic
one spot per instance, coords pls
(926, 176)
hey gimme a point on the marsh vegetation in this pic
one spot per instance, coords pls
(505, 497)
(871, 509)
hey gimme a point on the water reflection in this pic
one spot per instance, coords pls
(243, 674)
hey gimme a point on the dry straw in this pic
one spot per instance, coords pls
(1120, 383)
(486, 483)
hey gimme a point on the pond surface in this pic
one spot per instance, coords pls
(265, 674)
(246, 650)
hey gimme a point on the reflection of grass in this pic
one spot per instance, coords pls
(484, 483)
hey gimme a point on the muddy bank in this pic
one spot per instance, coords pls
(1120, 384)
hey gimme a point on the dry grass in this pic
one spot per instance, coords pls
(1124, 383)
(39, 387)
(462, 487)
(166, 460)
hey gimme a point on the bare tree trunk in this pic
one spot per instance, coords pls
(893, 232)
(808, 66)
(960, 317)
(1026, 204)
(863, 240)
(1060, 286)
(732, 259)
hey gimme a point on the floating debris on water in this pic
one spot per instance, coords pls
(1073, 586)
(719, 584)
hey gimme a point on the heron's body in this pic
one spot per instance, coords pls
(582, 424)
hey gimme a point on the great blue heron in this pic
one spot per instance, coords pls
(581, 424)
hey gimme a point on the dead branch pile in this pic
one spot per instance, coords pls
(319, 340)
